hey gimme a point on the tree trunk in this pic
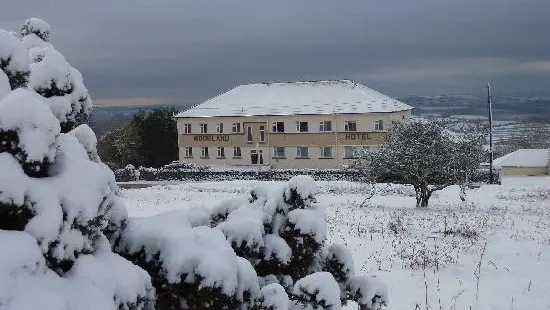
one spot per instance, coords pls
(422, 196)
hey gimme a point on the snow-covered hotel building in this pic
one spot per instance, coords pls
(287, 125)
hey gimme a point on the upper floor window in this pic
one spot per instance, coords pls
(249, 134)
(301, 127)
(204, 151)
(262, 133)
(278, 126)
(219, 128)
(350, 126)
(204, 128)
(188, 151)
(302, 152)
(237, 151)
(186, 128)
(326, 151)
(379, 125)
(278, 151)
(236, 127)
(325, 126)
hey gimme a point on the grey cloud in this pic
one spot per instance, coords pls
(191, 50)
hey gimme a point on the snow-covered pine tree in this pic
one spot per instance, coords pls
(58, 210)
(427, 156)
(282, 231)
(54, 78)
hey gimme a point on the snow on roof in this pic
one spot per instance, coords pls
(305, 98)
(524, 158)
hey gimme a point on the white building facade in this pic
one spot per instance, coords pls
(316, 125)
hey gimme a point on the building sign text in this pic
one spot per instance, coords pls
(211, 137)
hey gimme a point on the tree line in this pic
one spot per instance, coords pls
(150, 139)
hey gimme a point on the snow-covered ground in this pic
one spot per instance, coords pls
(498, 239)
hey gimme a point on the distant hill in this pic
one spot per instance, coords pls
(106, 118)
(463, 106)
(506, 110)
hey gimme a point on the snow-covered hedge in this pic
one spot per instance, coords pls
(190, 172)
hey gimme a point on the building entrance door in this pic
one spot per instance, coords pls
(254, 157)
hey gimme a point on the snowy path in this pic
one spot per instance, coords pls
(392, 239)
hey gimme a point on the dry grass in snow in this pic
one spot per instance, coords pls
(490, 252)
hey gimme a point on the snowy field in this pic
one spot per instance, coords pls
(490, 252)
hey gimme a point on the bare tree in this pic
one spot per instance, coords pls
(425, 155)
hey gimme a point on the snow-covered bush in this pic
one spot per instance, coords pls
(192, 267)
(281, 231)
(53, 77)
(59, 213)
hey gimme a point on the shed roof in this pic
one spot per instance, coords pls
(524, 158)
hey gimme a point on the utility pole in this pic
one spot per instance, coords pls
(489, 103)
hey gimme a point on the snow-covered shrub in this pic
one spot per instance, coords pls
(369, 292)
(282, 231)
(53, 77)
(14, 61)
(59, 213)
(191, 267)
(316, 291)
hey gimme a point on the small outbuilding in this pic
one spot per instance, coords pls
(524, 162)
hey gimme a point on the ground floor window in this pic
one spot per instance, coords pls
(188, 151)
(279, 151)
(326, 151)
(349, 152)
(221, 152)
(204, 151)
(302, 152)
(237, 151)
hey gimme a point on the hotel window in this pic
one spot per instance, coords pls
(188, 152)
(279, 152)
(236, 127)
(186, 128)
(325, 126)
(350, 126)
(237, 151)
(219, 128)
(262, 133)
(221, 152)
(349, 152)
(379, 125)
(204, 151)
(204, 128)
(301, 126)
(326, 151)
(278, 126)
(302, 152)
(249, 134)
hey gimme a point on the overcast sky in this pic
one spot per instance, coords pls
(187, 51)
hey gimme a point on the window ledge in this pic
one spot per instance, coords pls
(302, 157)
(220, 157)
(279, 157)
(187, 156)
(326, 157)
(237, 157)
